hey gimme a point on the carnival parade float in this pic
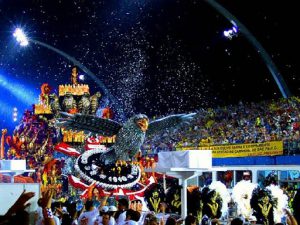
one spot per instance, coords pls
(76, 151)
(83, 153)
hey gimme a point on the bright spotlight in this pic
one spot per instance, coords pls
(233, 32)
(20, 37)
(81, 77)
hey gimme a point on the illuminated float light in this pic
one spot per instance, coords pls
(15, 114)
(21, 37)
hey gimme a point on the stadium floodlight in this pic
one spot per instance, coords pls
(21, 37)
(233, 32)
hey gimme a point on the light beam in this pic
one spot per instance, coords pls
(18, 90)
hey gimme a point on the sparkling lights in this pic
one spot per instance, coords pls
(21, 37)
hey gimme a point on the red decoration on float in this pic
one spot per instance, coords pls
(66, 149)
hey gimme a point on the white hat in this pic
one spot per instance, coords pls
(246, 173)
(252, 218)
(112, 208)
(104, 209)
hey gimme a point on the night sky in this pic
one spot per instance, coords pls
(155, 57)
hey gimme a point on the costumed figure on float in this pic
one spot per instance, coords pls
(281, 200)
(44, 96)
(241, 195)
(173, 198)
(194, 202)
(263, 205)
(215, 200)
(154, 196)
(54, 104)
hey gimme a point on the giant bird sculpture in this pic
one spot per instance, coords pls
(129, 138)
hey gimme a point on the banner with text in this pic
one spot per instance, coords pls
(242, 150)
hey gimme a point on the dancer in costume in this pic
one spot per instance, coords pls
(212, 203)
(263, 204)
(174, 199)
(194, 202)
(154, 196)
(241, 195)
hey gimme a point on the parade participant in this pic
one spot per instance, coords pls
(174, 199)
(123, 205)
(90, 214)
(154, 196)
(132, 217)
(105, 217)
(194, 202)
(212, 203)
(241, 195)
(263, 204)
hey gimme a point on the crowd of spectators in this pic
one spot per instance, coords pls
(51, 212)
(236, 124)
